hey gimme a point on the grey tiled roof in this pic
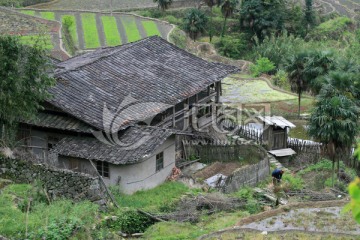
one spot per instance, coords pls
(152, 70)
(138, 144)
(61, 122)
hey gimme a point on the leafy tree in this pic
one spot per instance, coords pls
(262, 17)
(195, 22)
(227, 9)
(163, 4)
(24, 81)
(263, 65)
(279, 48)
(309, 14)
(232, 46)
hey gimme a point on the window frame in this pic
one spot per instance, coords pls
(159, 163)
(103, 168)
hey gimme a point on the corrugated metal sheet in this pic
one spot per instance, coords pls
(277, 121)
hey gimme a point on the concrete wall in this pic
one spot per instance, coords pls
(58, 183)
(133, 177)
(247, 176)
(143, 175)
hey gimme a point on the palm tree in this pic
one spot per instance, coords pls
(211, 4)
(195, 22)
(227, 9)
(334, 120)
(163, 4)
(296, 70)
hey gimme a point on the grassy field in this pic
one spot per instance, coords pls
(44, 41)
(112, 34)
(28, 12)
(90, 30)
(111, 31)
(237, 89)
(151, 28)
(131, 29)
(48, 15)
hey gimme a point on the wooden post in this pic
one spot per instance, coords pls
(217, 89)
(106, 189)
(173, 118)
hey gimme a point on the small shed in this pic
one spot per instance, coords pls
(275, 132)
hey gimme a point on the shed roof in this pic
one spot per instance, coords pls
(61, 122)
(276, 121)
(152, 70)
(135, 145)
(282, 152)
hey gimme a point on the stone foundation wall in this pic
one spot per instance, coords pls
(57, 182)
(247, 176)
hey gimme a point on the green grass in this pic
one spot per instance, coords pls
(44, 41)
(72, 27)
(131, 29)
(151, 28)
(111, 31)
(48, 15)
(13, 220)
(28, 12)
(90, 30)
(154, 198)
(237, 89)
(207, 224)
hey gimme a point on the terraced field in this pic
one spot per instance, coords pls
(97, 5)
(348, 8)
(93, 30)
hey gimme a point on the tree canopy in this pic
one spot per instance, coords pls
(24, 80)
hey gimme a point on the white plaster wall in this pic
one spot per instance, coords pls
(143, 175)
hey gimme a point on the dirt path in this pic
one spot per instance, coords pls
(79, 29)
(140, 27)
(121, 29)
(100, 29)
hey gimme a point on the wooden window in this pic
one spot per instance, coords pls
(52, 141)
(159, 161)
(23, 134)
(103, 168)
(74, 164)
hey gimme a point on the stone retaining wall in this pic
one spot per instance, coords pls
(248, 175)
(57, 182)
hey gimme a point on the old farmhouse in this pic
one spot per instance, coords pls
(117, 111)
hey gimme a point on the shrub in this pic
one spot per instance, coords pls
(57, 229)
(331, 29)
(281, 79)
(173, 20)
(295, 183)
(263, 65)
(178, 38)
(232, 46)
(130, 221)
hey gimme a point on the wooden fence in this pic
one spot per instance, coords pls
(250, 133)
